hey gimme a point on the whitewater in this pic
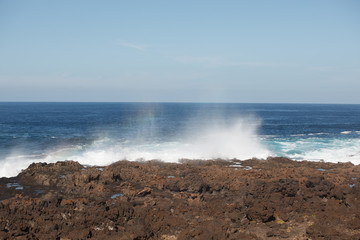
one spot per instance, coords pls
(102, 133)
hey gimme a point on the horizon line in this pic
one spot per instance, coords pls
(188, 102)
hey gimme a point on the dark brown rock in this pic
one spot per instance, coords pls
(275, 198)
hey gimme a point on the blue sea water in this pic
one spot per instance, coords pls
(102, 133)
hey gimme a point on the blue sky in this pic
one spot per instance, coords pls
(180, 51)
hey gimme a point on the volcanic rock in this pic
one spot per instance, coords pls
(275, 198)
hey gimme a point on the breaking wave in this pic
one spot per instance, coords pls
(217, 139)
(317, 149)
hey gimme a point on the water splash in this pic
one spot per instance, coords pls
(208, 140)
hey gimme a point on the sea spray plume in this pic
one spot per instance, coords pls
(228, 139)
(203, 138)
(145, 123)
(11, 166)
(16, 161)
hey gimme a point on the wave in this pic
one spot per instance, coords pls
(237, 139)
(314, 134)
(217, 139)
(329, 150)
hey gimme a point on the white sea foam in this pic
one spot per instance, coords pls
(206, 140)
(298, 135)
(314, 134)
(12, 165)
(235, 140)
(334, 150)
(217, 139)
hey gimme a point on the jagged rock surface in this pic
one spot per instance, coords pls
(275, 198)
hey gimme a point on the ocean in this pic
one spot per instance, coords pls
(102, 133)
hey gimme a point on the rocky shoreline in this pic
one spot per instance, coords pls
(275, 198)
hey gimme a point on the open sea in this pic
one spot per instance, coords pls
(102, 133)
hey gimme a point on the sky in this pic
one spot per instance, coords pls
(180, 51)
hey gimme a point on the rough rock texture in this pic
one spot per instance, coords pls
(255, 199)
